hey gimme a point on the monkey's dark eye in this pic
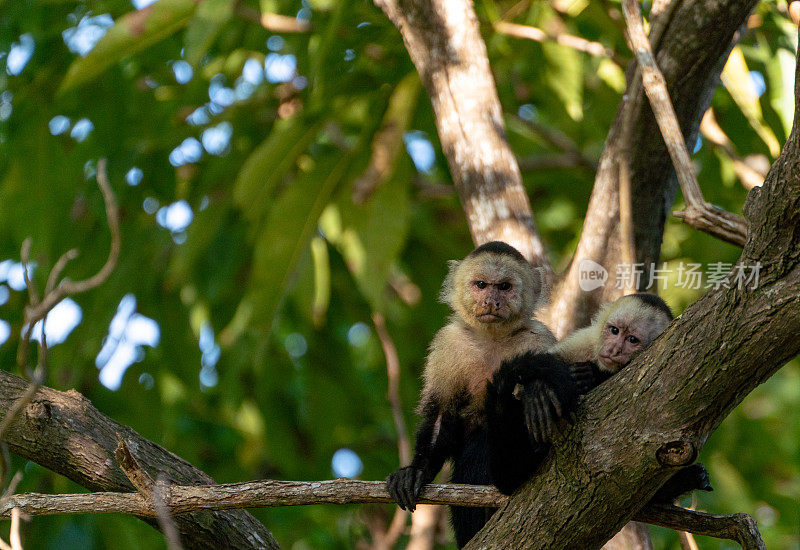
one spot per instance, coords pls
(614, 330)
(633, 339)
(480, 284)
(504, 286)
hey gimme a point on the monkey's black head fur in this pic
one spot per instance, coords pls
(499, 247)
(655, 302)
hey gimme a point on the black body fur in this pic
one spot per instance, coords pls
(514, 457)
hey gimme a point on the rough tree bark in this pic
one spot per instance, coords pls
(719, 350)
(65, 433)
(445, 45)
(691, 51)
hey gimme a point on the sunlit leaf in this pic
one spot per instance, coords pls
(564, 77)
(130, 34)
(739, 83)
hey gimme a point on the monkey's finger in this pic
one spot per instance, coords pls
(541, 418)
(531, 419)
(544, 413)
(555, 401)
(393, 485)
(408, 489)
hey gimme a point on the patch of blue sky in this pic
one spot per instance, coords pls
(280, 68)
(127, 334)
(187, 152)
(81, 130)
(176, 217)
(183, 72)
(216, 140)
(60, 322)
(134, 176)
(346, 463)
(85, 35)
(58, 125)
(20, 53)
(420, 149)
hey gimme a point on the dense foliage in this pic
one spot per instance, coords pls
(234, 149)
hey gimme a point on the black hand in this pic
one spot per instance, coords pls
(405, 485)
(690, 478)
(538, 417)
(583, 375)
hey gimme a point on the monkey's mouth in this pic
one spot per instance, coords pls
(610, 363)
(490, 317)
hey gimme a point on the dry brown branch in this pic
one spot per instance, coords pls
(165, 521)
(400, 516)
(698, 213)
(738, 527)
(393, 393)
(575, 42)
(274, 22)
(63, 432)
(269, 493)
(140, 479)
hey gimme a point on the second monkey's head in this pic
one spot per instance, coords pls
(493, 288)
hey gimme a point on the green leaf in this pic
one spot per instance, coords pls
(371, 236)
(270, 162)
(564, 76)
(211, 16)
(737, 80)
(287, 232)
(131, 33)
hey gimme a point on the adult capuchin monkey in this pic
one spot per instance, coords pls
(493, 294)
(524, 402)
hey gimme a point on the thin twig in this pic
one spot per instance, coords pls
(269, 493)
(160, 496)
(575, 42)
(557, 139)
(698, 213)
(393, 393)
(37, 311)
(400, 516)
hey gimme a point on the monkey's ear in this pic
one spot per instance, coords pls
(446, 295)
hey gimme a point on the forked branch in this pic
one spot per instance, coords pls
(698, 213)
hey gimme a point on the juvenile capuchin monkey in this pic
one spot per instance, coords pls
(524, 401)
(493, 294)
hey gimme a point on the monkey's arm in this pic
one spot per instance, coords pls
(513, 457)
(544, 384)
(438, 437)
(587, 375)
(685, 480)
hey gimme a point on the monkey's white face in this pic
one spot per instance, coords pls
(619, 343)
(494, 300)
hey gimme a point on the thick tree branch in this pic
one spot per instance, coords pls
(445, 45)
(267, 493)
(63, 432)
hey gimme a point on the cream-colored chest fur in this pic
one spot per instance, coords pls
(463, 359)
